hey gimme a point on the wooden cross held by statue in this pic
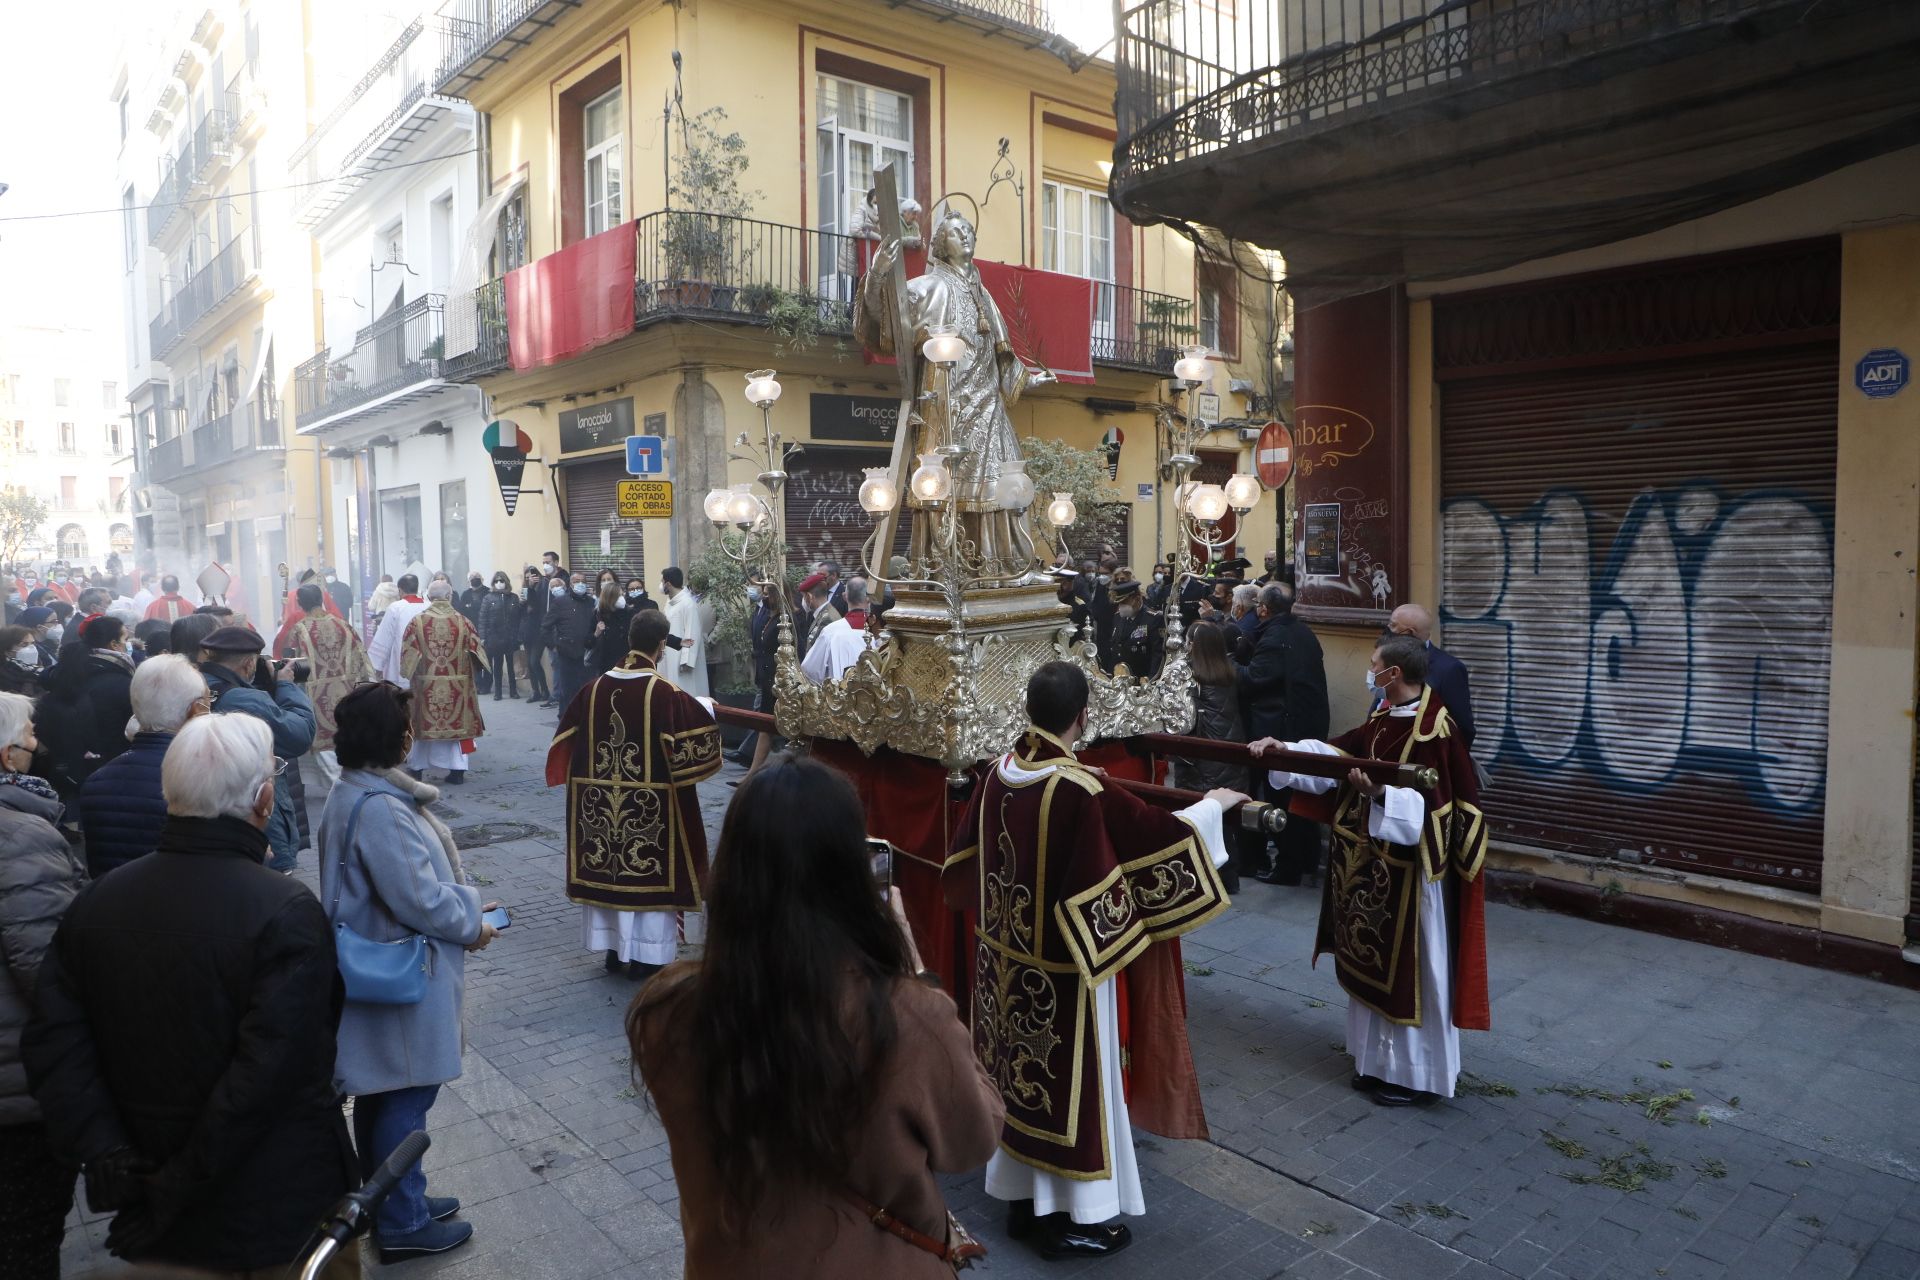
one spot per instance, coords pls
(887, 196)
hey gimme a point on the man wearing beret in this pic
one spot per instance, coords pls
(233, 659)
(816, 611)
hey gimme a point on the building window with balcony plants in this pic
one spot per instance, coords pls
(1076, 239)
(602, 171)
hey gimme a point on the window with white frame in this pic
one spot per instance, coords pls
(1076, 239)
(861, 130)
(604, 173)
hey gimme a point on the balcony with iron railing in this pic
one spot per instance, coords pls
(1427, 133)
(397, 351)
(201, 294)
(478, 36)
(234, 434)
(796, 282)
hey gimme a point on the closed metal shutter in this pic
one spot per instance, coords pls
(591, 523)
(824, 517)
(1638, 572)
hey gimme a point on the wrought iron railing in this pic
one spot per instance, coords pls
(1197, 77)
(164, 206)
(479, 320)
(202, 291)
(393, 352)
(213, 441)
(474, 32)
(795, 279)
(1146, 329)
(212, 143)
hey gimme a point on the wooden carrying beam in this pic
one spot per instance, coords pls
(1254, 815)
(1390, 772)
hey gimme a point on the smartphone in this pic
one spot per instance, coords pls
(497, 917)
(880, 856)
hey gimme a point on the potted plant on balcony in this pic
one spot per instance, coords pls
(704, 257)
(1164, 325)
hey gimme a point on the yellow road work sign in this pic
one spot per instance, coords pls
(645, 499)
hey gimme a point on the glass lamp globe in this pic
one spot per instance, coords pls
(1208, 503)
(716, 505)
(931, 482)
(1061, 512)
(1192, 365)
(943, 345)
(1243, 491)
(1014, 489)
(877, 494)
(742, 506)
(763, 388)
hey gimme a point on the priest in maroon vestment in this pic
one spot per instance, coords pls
(630, 747)
(1077, 890)
(1404, 906)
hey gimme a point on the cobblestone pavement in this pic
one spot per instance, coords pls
(1644, 1107)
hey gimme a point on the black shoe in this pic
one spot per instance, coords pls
(457, 778)
(637, 972)
(1365, 1084)
(613, 962)
(1230, 879)
(1058, 1236)
(1275, 875)
(1020, 1219)
(496, 695)
(1394, 1095)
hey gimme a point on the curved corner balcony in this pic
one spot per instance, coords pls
(1372, 141)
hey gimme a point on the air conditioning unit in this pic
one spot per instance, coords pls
(1249, 434)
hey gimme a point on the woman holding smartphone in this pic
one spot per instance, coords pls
(807, 1073)
(385, 876)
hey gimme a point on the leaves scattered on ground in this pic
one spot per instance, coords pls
(1689, 1214)
(1813, 1222)
(628, 1093)
(1801, 1164)
(1712, 1167)
(1622, 1173)
(474, 877)
(1408, 1211)
(1565, 1146)
(1196, 970)
(1664, 1065)
(1470, 1083)
(1319, 1229)
(1316, 1004)
(1655, 1106)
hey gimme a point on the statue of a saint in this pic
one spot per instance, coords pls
(980, 386)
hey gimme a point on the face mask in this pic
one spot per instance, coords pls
(1159, 577)
(473, 582)
(546, 571)
(1104, 579)
(27, 656)
(331, 578)
(501, 585)
(60, 578)
(753, 594)
(56, 633)
(579, 588)
(635, 595)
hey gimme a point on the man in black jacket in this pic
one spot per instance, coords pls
(1446, 674)
(1284, 689)
(182, 1049)
(533, 617)
(568, 630)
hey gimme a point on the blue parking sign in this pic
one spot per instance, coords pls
(1882, 372)
(646, 455)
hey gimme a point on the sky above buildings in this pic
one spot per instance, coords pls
(57, 153)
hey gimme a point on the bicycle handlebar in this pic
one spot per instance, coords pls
(354, 1213)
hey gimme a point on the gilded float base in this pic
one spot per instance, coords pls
(950, 685)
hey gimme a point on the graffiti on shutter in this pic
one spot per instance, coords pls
(1637, 569)
(593, 522)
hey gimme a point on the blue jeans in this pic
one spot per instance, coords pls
(568, 675)
(380, 1121)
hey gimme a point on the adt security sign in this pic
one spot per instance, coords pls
(1882, 372)
(646, 455)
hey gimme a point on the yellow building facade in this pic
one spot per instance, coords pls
(819, 96)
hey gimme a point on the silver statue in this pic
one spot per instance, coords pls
(970, 422)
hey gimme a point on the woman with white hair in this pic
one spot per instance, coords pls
(121, 807)
(39, 876)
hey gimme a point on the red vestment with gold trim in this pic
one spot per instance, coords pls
(339, 664)
(1070, 883)
(630, 747)
(436, 656)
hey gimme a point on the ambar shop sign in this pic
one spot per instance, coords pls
(596, 426)
(865, 418)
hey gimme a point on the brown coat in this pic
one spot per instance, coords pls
(934, 1111)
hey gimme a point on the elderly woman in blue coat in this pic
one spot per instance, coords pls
(385, 875)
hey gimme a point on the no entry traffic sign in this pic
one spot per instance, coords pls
(1273, 455)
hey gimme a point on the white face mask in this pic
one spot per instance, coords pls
(546, 571)
(27, 656)
(56, 633)
(635, 595)
(558, 589)
(331, 578)
(579, 588)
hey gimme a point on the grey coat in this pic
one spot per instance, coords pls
(40, 875)
(397, 881)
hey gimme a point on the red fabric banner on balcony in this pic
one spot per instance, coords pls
(1049, 315)
(570, 302)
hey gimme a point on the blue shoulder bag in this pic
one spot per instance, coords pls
(376, 972)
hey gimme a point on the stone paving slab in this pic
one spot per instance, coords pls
(1573, 1155)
